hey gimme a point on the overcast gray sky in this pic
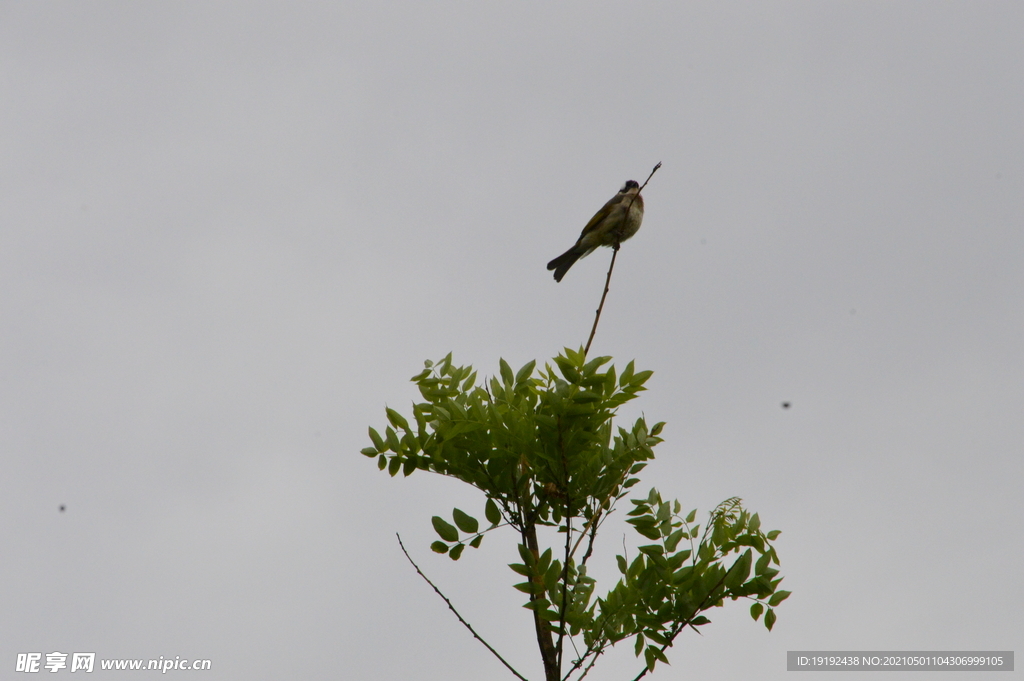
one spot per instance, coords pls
(231, 232)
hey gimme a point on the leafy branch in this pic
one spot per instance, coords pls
(541, 447)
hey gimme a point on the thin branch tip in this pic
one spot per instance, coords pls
(608, 279)
(452, 608)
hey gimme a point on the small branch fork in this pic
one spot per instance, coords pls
(452, 608)
(615, 252)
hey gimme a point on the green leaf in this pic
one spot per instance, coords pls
(368, 451)
(496, 390)
(654, 655)
(621, 563)
(538, 604)
(769, 619)
(641, 378)
(739, 571)
(626, 376)
(641, 508)
(648, 531)
(443, 528)
(396, 419)
(545, 560)
(773, 534)
(553, 575)
(392, 439)
(439, 547)
(610, 381)
(466, 522)
(690, 518)
(456, 551)
(593, 365)
(755, 523)
(378, 442)
(673, 541)
(569, 371)
(657, 637)
(778, 597)
(700, 621)
(506, 372)
(476, 541)
(548, 615)
(491, 512)
(755, 610)
(526, 371)
(650, 657)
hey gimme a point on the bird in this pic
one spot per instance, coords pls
(610, 226)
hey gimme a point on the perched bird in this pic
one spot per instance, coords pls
(609, 227)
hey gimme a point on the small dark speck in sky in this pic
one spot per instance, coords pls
(62, 507)
(785, 405)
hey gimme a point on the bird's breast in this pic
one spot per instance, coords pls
(632, 220)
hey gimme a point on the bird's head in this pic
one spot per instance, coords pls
(630, 184)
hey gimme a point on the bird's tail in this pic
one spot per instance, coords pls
(562, 263)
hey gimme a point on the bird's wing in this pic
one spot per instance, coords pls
(600, 215)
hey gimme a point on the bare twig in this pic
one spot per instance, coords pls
(591, 650)
(590, 544)
(595, 520)
(653, 170)
(452, 608)
(589, 666)
(615, 252)
(607, 284)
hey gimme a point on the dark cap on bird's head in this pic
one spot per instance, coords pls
(630, 184)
